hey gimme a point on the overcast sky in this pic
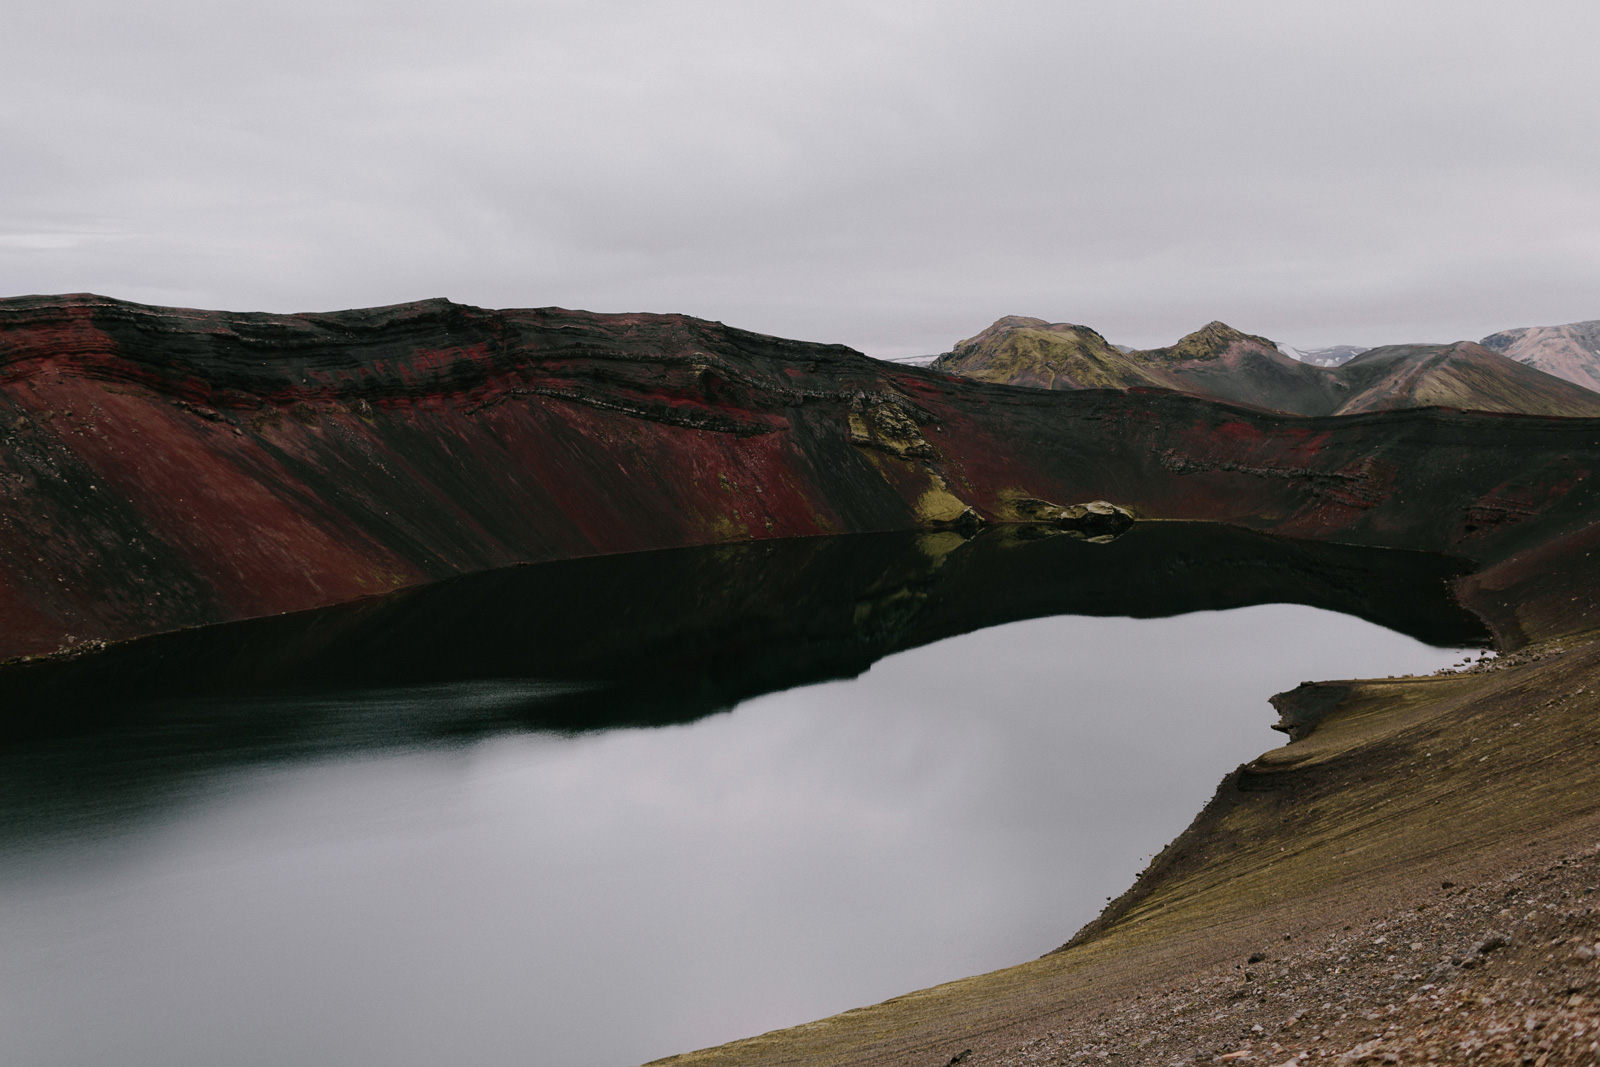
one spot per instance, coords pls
(893, 176)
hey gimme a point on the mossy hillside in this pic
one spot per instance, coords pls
(1025, 351)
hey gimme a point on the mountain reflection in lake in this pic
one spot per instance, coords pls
(369, 859)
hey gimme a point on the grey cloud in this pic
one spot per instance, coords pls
(892, 176)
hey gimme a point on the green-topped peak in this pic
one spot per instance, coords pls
(1021, 350)
(1208, 342)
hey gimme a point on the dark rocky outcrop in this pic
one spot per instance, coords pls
(1301, 708)
(1098, 519)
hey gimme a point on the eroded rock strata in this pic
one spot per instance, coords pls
(163, 468)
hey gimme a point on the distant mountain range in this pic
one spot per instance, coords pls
(1222, 363)
(1571, 351)
(1332, 356)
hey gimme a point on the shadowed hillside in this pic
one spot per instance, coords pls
(1463, 375)
(1220, 362)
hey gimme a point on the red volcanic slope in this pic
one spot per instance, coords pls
(163, 468)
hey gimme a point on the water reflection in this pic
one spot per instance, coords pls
(331, 839)
(670, 636)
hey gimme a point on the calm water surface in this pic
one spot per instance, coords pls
(608, 898)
